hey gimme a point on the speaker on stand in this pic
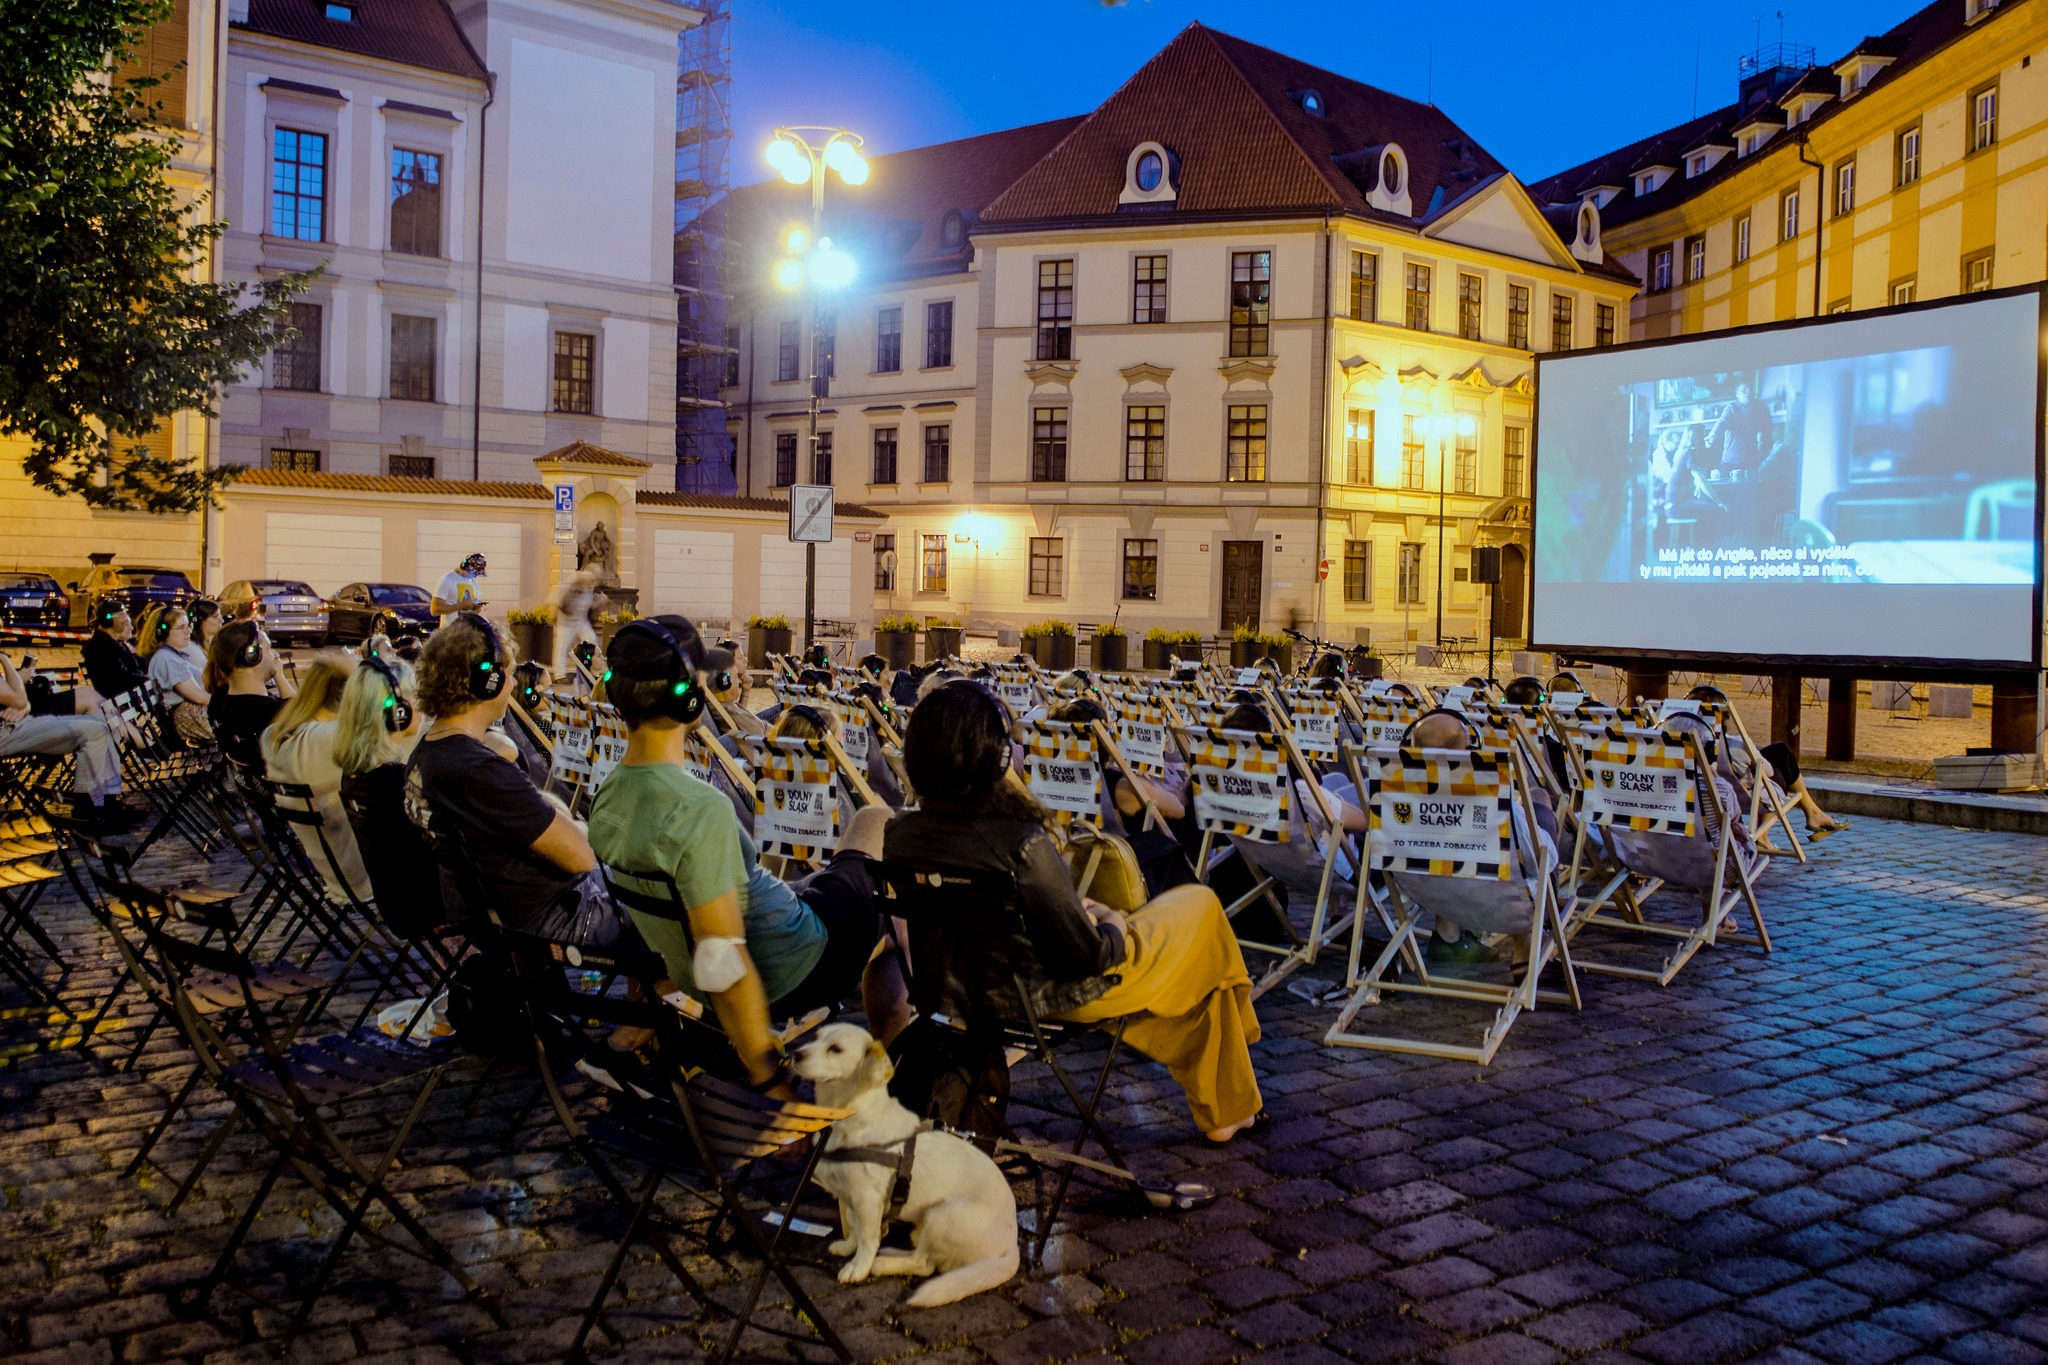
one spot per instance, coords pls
(1486, 569)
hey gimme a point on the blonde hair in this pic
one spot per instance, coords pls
(360, 740)
(800, 720)
(319, 690)
(148, 639)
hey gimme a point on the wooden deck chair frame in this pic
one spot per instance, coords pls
(843, 771)
(1764, 786)
(1548, 943)
(1625, 889)
(1323, 929)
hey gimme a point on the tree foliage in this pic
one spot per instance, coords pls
(106, 331)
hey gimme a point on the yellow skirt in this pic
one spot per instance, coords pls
(1190, 1000)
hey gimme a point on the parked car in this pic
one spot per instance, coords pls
(134, 587)
(292, 611)
(33, 599)
(354, 610)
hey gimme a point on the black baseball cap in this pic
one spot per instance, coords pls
(639, 652)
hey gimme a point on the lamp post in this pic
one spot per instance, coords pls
(1444, 426)
(810, 262)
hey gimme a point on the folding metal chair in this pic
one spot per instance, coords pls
(290, 1092)
(1454, 832)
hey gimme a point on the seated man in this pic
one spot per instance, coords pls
(96, 770)
(493, 832)
(111, 664)
(763, 946)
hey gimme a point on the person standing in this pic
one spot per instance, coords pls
(572, 620)
(458, 589)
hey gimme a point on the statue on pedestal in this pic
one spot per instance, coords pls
(596, 555)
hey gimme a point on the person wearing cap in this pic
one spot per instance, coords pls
(764, 949)
(458, 590)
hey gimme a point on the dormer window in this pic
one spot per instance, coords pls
(952, 229)
(1311, 102)
(1390, 171)
(340, 13)
(1386, 179)
(1151, 176)
(1589, 225)
(1696, 164)
(1651, 180)
(1973, 10)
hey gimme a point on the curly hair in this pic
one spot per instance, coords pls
(450, 656)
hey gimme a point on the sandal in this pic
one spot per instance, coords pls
(1814, 836)
(1257, 1123)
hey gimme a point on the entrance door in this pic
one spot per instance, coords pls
(1243, 583)
(1508, 594)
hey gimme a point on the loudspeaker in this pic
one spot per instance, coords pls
(1486, 564)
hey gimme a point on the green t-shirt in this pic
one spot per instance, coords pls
(651, 818)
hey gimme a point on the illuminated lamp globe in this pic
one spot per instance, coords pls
(831, 268)
(796, 241)
(794, 166)
(842, 157)
(789, 274)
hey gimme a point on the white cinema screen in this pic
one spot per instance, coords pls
(1858, 490)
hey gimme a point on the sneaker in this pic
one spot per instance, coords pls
(1467, 948)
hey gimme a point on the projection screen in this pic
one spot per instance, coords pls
(1862, 489)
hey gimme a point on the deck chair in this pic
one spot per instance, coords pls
(1741, 749)
(1245, 797)
(1454, 833)
(796, 801)
(1651, 793)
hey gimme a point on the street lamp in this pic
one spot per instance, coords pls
(1444, 426)
(812, 263)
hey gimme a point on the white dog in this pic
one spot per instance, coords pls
(962, 1216)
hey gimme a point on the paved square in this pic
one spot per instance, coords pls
(1837, 1153)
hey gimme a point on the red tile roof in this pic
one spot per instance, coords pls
(411, 32)
(389, 483)
(583, 452)
(1913, 40)
(895, 223)
(1230, 111)
(712, 503)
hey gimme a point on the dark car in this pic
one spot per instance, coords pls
(137, 589)
(33, 599)
(355, 609)
(292, 612)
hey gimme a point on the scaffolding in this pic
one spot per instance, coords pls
(704, 345)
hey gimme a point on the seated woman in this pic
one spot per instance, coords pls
(241, 670)
(178, 666)
(299, 747)
(1780, 767)
(96, 761)
(1159, 852)
(375, 732)
(1173, 968)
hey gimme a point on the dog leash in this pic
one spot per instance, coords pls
(900, 1156)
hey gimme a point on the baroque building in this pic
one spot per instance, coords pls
(1249, 344)
(1913, 166)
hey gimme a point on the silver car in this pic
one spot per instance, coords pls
(292, 612)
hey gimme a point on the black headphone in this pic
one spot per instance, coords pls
(1463, 719)
(397, 710)
(684, 700)
(823, 723)
(251, 654)
(486, 675)
(109, 610)
(163, 626)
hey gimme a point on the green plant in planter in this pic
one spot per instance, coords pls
(768, 623)
(1271, 641)
(617, 618)
(1242, 634)
(530, 616)
(1112, 631)
(944, 623)
(1038, 630)
(1161, 635)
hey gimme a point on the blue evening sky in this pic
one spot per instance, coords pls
(1540, 86)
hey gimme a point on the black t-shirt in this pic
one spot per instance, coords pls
(480, 810)
(239, 720)
(403, 872)
(111, 666)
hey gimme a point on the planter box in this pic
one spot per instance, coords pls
(1283, 655)
(1367, 666)
(941, 642)
(534, 641)
(1157, 655)
(899, 647)
(1245, 653)
(607, 629)
(1055, 653)
(762, 642)
(1109, 653)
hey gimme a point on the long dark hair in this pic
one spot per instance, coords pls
(956, 753)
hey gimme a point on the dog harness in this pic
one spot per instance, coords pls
(899, 1156)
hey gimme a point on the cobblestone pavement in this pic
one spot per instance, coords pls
(1837, 1153)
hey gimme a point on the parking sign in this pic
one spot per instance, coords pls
(810, 513)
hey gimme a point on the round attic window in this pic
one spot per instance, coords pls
(950, 229)
(1587, 230)
(1390, 173)
(1151, 170)
(1311, 101)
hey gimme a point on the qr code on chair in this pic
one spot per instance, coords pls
(1670, 782)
